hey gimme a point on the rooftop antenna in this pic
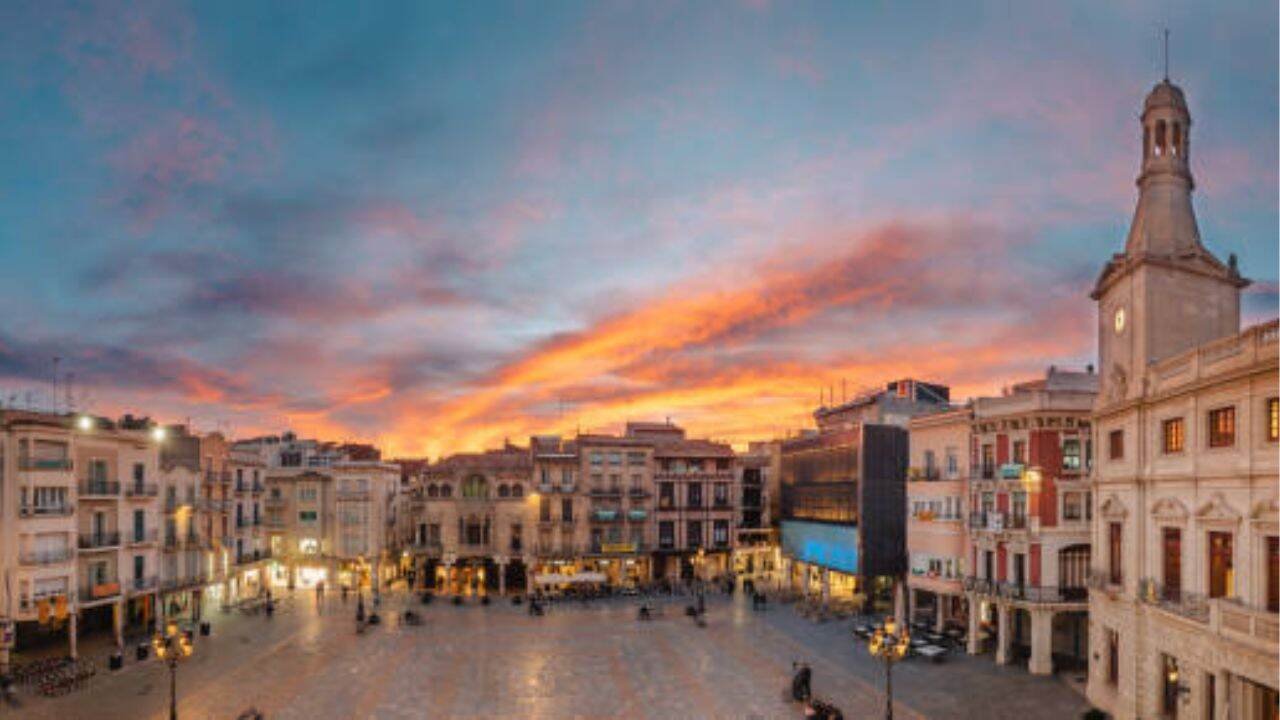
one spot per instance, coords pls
(1166, 54)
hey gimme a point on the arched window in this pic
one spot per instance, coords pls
(1177, 139)
(517, 490)
(432, 490)
(446, 491)
(502, 491)
(475, 487)
(1161, 147)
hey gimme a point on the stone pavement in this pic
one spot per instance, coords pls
(496, 661)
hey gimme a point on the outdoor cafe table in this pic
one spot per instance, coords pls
(931, 652)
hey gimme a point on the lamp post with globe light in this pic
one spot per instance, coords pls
(889, 643)
(172, 646)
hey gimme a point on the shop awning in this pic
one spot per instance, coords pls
(562, 579)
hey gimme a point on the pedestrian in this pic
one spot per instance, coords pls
(345, 590)
(319, 592)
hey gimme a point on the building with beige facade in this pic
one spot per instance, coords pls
(1186, 581)
(937, 540)
(80, 517)
(1029, 507)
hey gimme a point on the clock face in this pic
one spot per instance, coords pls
(1119, 320)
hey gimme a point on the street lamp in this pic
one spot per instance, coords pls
(172, 646)
(889, 643)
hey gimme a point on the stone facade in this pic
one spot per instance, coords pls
(937, 547)
(1183, 605)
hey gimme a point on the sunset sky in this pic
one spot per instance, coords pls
(435, 226)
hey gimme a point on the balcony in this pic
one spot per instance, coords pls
(99, 489)
(143, 537)
(1244, 625)
(352, 494)
(605, 515)
(620, 547)
(257, 488)
(36, 558)
(100, 541)
(1190, 605)
(141, 490)
(274, 502)
(252, 557)
(918, 474)
(1042, 593)
(99, 591)
(605, 492)
(636, 514)
(190, 580)
(29, 464)
(28, 603)
(39, 511)
(637, 493)
(144, 584)
(241, 487)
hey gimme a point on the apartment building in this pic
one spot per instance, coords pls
(756, 555)
(1186, 582)
(307, 512)
(185, 551)
(471, 517)
(618, 474)
(937, 538)
(1029, 508)
(698, 494)
(80, 512)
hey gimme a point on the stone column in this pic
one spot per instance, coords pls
(1041, 642)
(117, 623)
(72, 640)
(1221, 693)
(939, 606)
(1004, 634)
(826, 585)
(974, 626)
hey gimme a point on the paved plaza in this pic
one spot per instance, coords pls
(595, 661)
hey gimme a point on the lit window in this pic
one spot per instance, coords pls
(1174, 435)
(1273, 419)
(1222, 427)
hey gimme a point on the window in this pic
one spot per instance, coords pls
(139, 472)
(1273, 573)
(1072, 506)
(1115, 445)
(1113, 657)
(953, 463)
(1115, 555)
(693, 534)
(1222, 427)
(930, 464)
(446, 491)
(517, 491)
(307, 516)
(720, 533)
(635, 458)
(475, 487)
(307, 493)
(1169, 679)
(1171, 549)
(503, 491)
(566, 510)
(666, 534)
(1221, 565)
(597, 458)
(1173, 434)
(666, 495)
(433, 491)
(988, 461)
(1020, 452)
(721, 494)
(544, 509)
(1273, 419)
(695, 495)
(1071, 454)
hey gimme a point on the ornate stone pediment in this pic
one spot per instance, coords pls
(1217, 510)
(1113, 508)
(1266, 512)
(1170, 509)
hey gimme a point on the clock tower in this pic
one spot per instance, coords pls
(1165, 293)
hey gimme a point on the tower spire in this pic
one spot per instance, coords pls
(1166, 54)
